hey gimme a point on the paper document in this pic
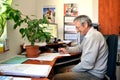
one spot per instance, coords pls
(33, 70)
(13, 78)
(6, 78)
(48, 56)
(67, 41)
(20, 78)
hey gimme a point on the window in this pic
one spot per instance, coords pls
(3, 26)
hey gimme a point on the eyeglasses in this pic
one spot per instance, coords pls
(77, 27)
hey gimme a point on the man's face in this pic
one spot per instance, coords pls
(80, 28)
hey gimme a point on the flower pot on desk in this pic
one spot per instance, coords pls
(32, 51)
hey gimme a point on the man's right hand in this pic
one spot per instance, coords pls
(62, 50)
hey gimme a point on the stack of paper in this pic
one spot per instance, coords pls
(48, 56)
(32, 70)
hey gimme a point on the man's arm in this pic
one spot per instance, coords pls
(74, 49)
(89, 55)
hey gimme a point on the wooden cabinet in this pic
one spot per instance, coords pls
(109, 16)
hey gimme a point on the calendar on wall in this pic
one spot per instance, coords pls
(69, 29)
(70, 12)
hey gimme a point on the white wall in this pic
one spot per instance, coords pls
(88, 7)
(30, 7)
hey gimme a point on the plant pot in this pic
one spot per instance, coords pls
(32, 51)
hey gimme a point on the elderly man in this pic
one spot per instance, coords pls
(94, 56)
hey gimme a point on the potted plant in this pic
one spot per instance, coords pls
(33, 31)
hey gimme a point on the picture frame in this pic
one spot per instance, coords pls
(49, 13)
(71, 9)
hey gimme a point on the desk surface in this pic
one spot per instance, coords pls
(40, 79)
(40, 62)
(52, 63)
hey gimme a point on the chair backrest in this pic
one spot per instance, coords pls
(112, 41)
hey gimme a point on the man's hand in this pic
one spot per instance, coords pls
(62, 50)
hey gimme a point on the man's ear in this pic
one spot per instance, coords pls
(85, 24)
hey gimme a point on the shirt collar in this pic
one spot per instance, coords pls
(88, 33)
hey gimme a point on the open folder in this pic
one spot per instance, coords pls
(33, 70)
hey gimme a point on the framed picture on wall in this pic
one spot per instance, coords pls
(70, 9)
(49, 13)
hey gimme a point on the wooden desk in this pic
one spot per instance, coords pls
(40, 79)
(55, 46)
(61, 60)
(52, 63)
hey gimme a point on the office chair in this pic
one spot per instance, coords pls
(112, 41)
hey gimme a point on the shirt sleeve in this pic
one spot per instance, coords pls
(89, 56)
(74, 49)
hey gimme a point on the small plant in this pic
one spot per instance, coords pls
(34, 29)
